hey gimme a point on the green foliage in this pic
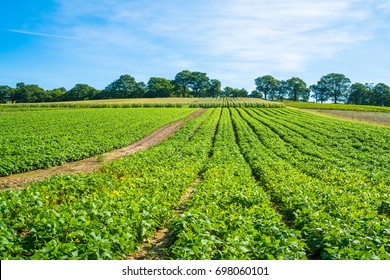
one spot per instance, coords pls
(226, 102)
(268, 86)
(124, 87)
(80, 92)
(38, 139)
(105, 215)
(297, 90)
(329, 178)
(275, 183)
(235, 92)
(229, 215)
(159, 87)
(334, 86)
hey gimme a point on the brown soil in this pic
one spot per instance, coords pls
(156, 248)
(93, 163)
(381, 118)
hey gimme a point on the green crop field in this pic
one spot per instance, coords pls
(168, 102)
(265, 183)
(38, 139)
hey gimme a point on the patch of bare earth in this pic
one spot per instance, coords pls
(95, 162)
(381, 118)
(156, 247)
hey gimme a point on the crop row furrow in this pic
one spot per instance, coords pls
(229, 215)
(39, 139)
(331, 227)
(311, 157)
(104, 215)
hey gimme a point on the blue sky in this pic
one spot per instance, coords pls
(63, 42)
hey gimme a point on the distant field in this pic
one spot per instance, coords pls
(372, 117)
(347, 107)
(145, 102)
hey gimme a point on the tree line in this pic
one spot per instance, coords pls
(334, 87)
(185, 84)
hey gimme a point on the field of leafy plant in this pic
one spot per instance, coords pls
(146, 103)
(268, 183)
(37, 139)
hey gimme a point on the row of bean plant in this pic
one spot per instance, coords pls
(338, 219)
(39, 139)
(229, 215)
(105, 215)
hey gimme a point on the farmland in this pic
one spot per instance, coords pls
(38, 139)
(265, 183)
(144, 102)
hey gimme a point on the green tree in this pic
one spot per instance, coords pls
(297, 89)
(359, 94)
(380, 95)
(181, 83)
(268, 86)
(256, 94)
(81, 92)
(199, 84)
(282, 90)
(28, 93)
(141, 90)
(5, 93)
(337, 87)
(319, 93)
(159, 87)
(235, 92)
(124, 87)
(214, 89)
(56, 94)
(193, 83)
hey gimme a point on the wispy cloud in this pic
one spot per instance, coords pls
(40, 34)
(223, 38)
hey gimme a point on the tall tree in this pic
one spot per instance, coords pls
(81, 92)
(28, 93)
(55, 95)
(256, 94)
(319, 93)
(282, 91)
(359, 94)
(140, 90)
(214, 89)
(380, 95)
(124, 87)
(159, 87)
(336, 85)
(182, 82)
(267, 85)
(5, 93)
(297, 89)
(235, 92)
(199, 84)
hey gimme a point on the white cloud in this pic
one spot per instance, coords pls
(40, 34)
(222, 37)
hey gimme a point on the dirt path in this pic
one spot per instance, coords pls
(93, 163)
(156, 248)
(381, 118)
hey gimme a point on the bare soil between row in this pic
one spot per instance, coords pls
(94, 163)
(381, 118)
